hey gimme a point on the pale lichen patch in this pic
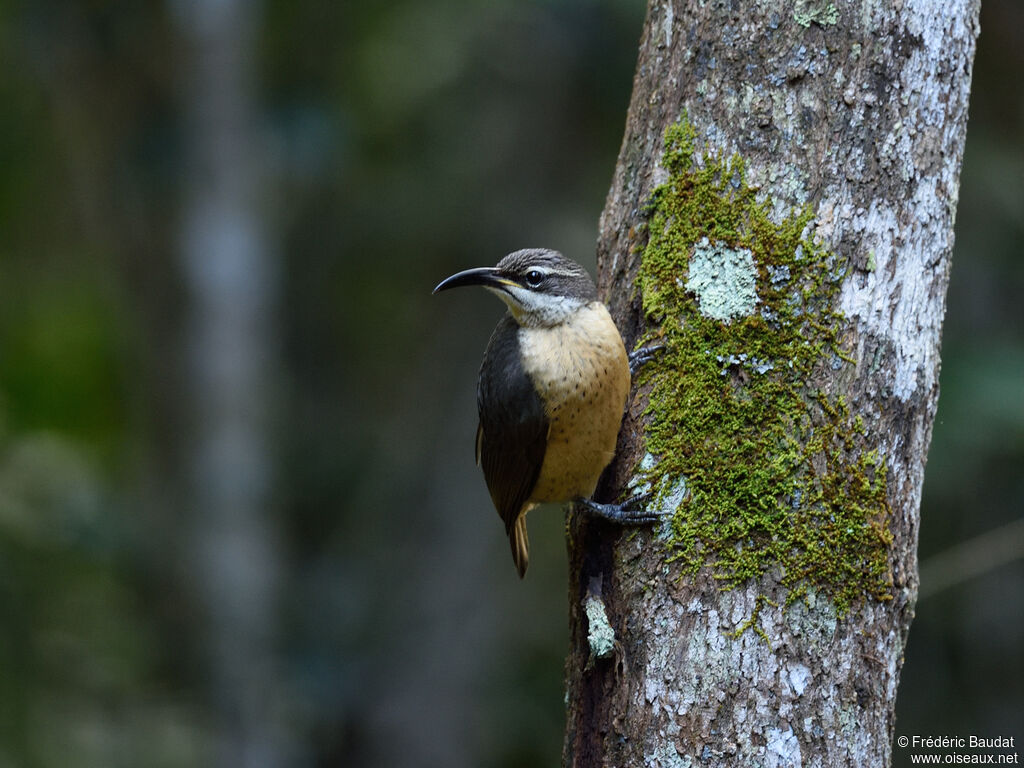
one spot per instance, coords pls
(799, 676)
(723, 279)
(782, 749)
(600, 634)
(807, 12)
(666, 756)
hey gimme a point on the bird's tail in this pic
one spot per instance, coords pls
(520, 544)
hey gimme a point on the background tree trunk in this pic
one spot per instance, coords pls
(231, 350)
(855, 116)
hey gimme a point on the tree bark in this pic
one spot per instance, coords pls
(233, 568)
(846, 125)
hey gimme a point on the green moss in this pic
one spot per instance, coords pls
(777, 472)
(752, 620)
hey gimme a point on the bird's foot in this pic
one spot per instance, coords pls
(638, 358)
(629, 512)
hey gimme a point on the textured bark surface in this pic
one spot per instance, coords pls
(859, 112)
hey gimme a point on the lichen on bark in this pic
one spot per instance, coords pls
(863, 120)
(778, 471)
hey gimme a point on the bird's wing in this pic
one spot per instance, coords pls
(512, 436)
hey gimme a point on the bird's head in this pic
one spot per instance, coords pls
(541, 287)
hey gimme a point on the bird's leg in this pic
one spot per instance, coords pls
(638, 358)
(628, 512)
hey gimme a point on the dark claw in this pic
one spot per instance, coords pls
(635, 502)
(638, 358)
(628, 512)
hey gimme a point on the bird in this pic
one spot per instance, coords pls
(551, 391)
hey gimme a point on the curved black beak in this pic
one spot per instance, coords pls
(489, 277)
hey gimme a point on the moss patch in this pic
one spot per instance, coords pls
(777, 470)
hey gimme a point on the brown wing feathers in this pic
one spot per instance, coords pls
(512, 435)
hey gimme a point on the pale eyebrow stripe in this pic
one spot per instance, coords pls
(559, 272)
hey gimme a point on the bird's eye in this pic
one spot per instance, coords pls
(534, 278)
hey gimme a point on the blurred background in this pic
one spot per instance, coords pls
(239, 518)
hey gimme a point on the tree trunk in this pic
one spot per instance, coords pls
(784, 203)
(231, 349)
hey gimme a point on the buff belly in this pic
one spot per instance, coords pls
(581, 371)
